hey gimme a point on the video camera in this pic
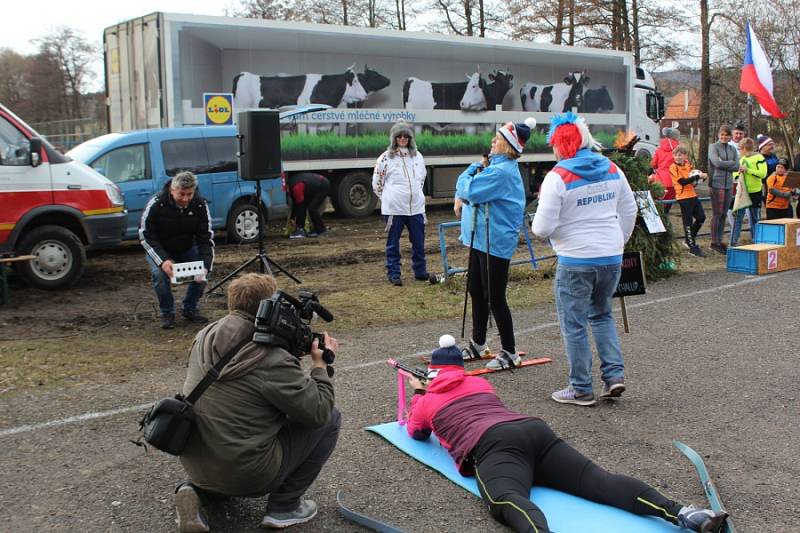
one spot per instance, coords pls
(284, 321)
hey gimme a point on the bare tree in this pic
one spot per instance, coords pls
(705, 86)
(73, 54)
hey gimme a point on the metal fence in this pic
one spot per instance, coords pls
(67, 134)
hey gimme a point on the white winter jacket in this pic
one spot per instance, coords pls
(398, 182)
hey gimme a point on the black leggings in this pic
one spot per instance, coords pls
(773, 213)
(693, 217)
(512, 457)
(498, 279)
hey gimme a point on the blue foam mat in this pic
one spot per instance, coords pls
(565, 513)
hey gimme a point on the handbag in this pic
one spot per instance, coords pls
(169, 423)
(742, 198)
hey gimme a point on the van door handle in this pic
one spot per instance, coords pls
(144, 193)
(73, 187)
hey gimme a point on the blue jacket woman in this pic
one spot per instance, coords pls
(490, 195)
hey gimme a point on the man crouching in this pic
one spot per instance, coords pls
(264, 427)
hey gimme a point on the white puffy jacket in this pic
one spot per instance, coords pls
(398, 182)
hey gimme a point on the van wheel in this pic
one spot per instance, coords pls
(243, 224)
(353, 196)
(60, 257)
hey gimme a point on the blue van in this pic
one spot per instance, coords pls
(141, 162)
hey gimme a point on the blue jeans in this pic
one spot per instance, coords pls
(416, 234)
(583, 296)
(163, 287)
(738, 220)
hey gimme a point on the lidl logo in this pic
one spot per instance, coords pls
(218, 109)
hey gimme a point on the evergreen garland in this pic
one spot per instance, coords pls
(659, 251)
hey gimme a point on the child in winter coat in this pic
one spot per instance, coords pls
(684, 178)
(752, 171)
(779, 203)
(661, 162)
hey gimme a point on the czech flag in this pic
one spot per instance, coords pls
(757, 76)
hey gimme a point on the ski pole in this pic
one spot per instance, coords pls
(488, 272)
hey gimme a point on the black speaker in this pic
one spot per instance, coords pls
(259, 145)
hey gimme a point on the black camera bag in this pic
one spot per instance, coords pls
(170, 422)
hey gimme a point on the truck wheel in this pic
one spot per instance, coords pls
(243, 224)
(60, 257)
(353, 195)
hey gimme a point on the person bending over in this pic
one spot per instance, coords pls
(176, 228)
(510, 452)
(490, 199)
(308, 192)
(264, 427)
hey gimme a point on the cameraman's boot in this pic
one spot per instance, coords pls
(190, 515)
(306, 510)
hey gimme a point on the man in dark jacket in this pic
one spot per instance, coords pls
(264, 427)
(176, 228)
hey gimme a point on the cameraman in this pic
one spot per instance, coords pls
(264, 427)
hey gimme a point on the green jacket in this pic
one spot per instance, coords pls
(235, 450)
(756, 171)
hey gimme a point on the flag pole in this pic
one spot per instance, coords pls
(750, 115)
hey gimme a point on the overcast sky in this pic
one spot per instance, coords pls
(28, 21)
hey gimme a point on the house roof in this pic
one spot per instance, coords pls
(684, 106)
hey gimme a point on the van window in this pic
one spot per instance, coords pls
(185, 154)
(222, 154)
(15, 148)
(128, 163)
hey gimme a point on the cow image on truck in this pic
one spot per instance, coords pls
(51, 207)
(455, 90)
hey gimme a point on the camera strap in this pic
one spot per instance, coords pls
(213, 374)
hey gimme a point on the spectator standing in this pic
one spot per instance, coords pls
(661, 162)
(308, 192)
(779, 203)
(490, 199)
(684, 178)
(588, 211)
(176, 228)
(398, 181)
(739, 133)
(723, 160)
(766, 147)
(751, 174)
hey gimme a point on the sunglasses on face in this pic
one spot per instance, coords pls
(403, 136)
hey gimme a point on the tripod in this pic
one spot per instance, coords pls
(264, 261)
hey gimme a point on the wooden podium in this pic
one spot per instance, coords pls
(776, 248)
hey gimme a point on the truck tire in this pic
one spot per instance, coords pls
(60, 257)
(243, 224)
(353, 197)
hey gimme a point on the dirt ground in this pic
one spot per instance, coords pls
(703, 365)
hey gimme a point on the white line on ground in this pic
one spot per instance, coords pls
(113, 412)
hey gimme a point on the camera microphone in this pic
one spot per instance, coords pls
(323, 313)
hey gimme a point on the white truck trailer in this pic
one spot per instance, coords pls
(455, 90)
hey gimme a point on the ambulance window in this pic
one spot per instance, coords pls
(185, 154)
(15, 148)
(128, 163)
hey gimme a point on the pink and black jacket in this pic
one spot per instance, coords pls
(459, 409)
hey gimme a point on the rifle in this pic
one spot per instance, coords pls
(408, 371)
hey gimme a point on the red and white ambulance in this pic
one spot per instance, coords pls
(52, 207)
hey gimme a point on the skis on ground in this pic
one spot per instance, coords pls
(485, 357)
(364, 520)
(705, 479)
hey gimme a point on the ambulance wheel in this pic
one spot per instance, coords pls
(60, 257)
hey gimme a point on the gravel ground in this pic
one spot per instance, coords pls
(708, 362)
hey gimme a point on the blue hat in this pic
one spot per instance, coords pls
(448, 354)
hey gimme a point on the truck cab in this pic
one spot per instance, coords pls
(646, 113)
(52, 207)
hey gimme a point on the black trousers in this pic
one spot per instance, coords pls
(773, 213)
(305, 452)
(314, 196)
(512, 457)
(479, 290)
(693, 216)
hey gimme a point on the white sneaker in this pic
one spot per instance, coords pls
(473, 351)
(504, 360)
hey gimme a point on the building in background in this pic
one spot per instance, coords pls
(683, 112)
